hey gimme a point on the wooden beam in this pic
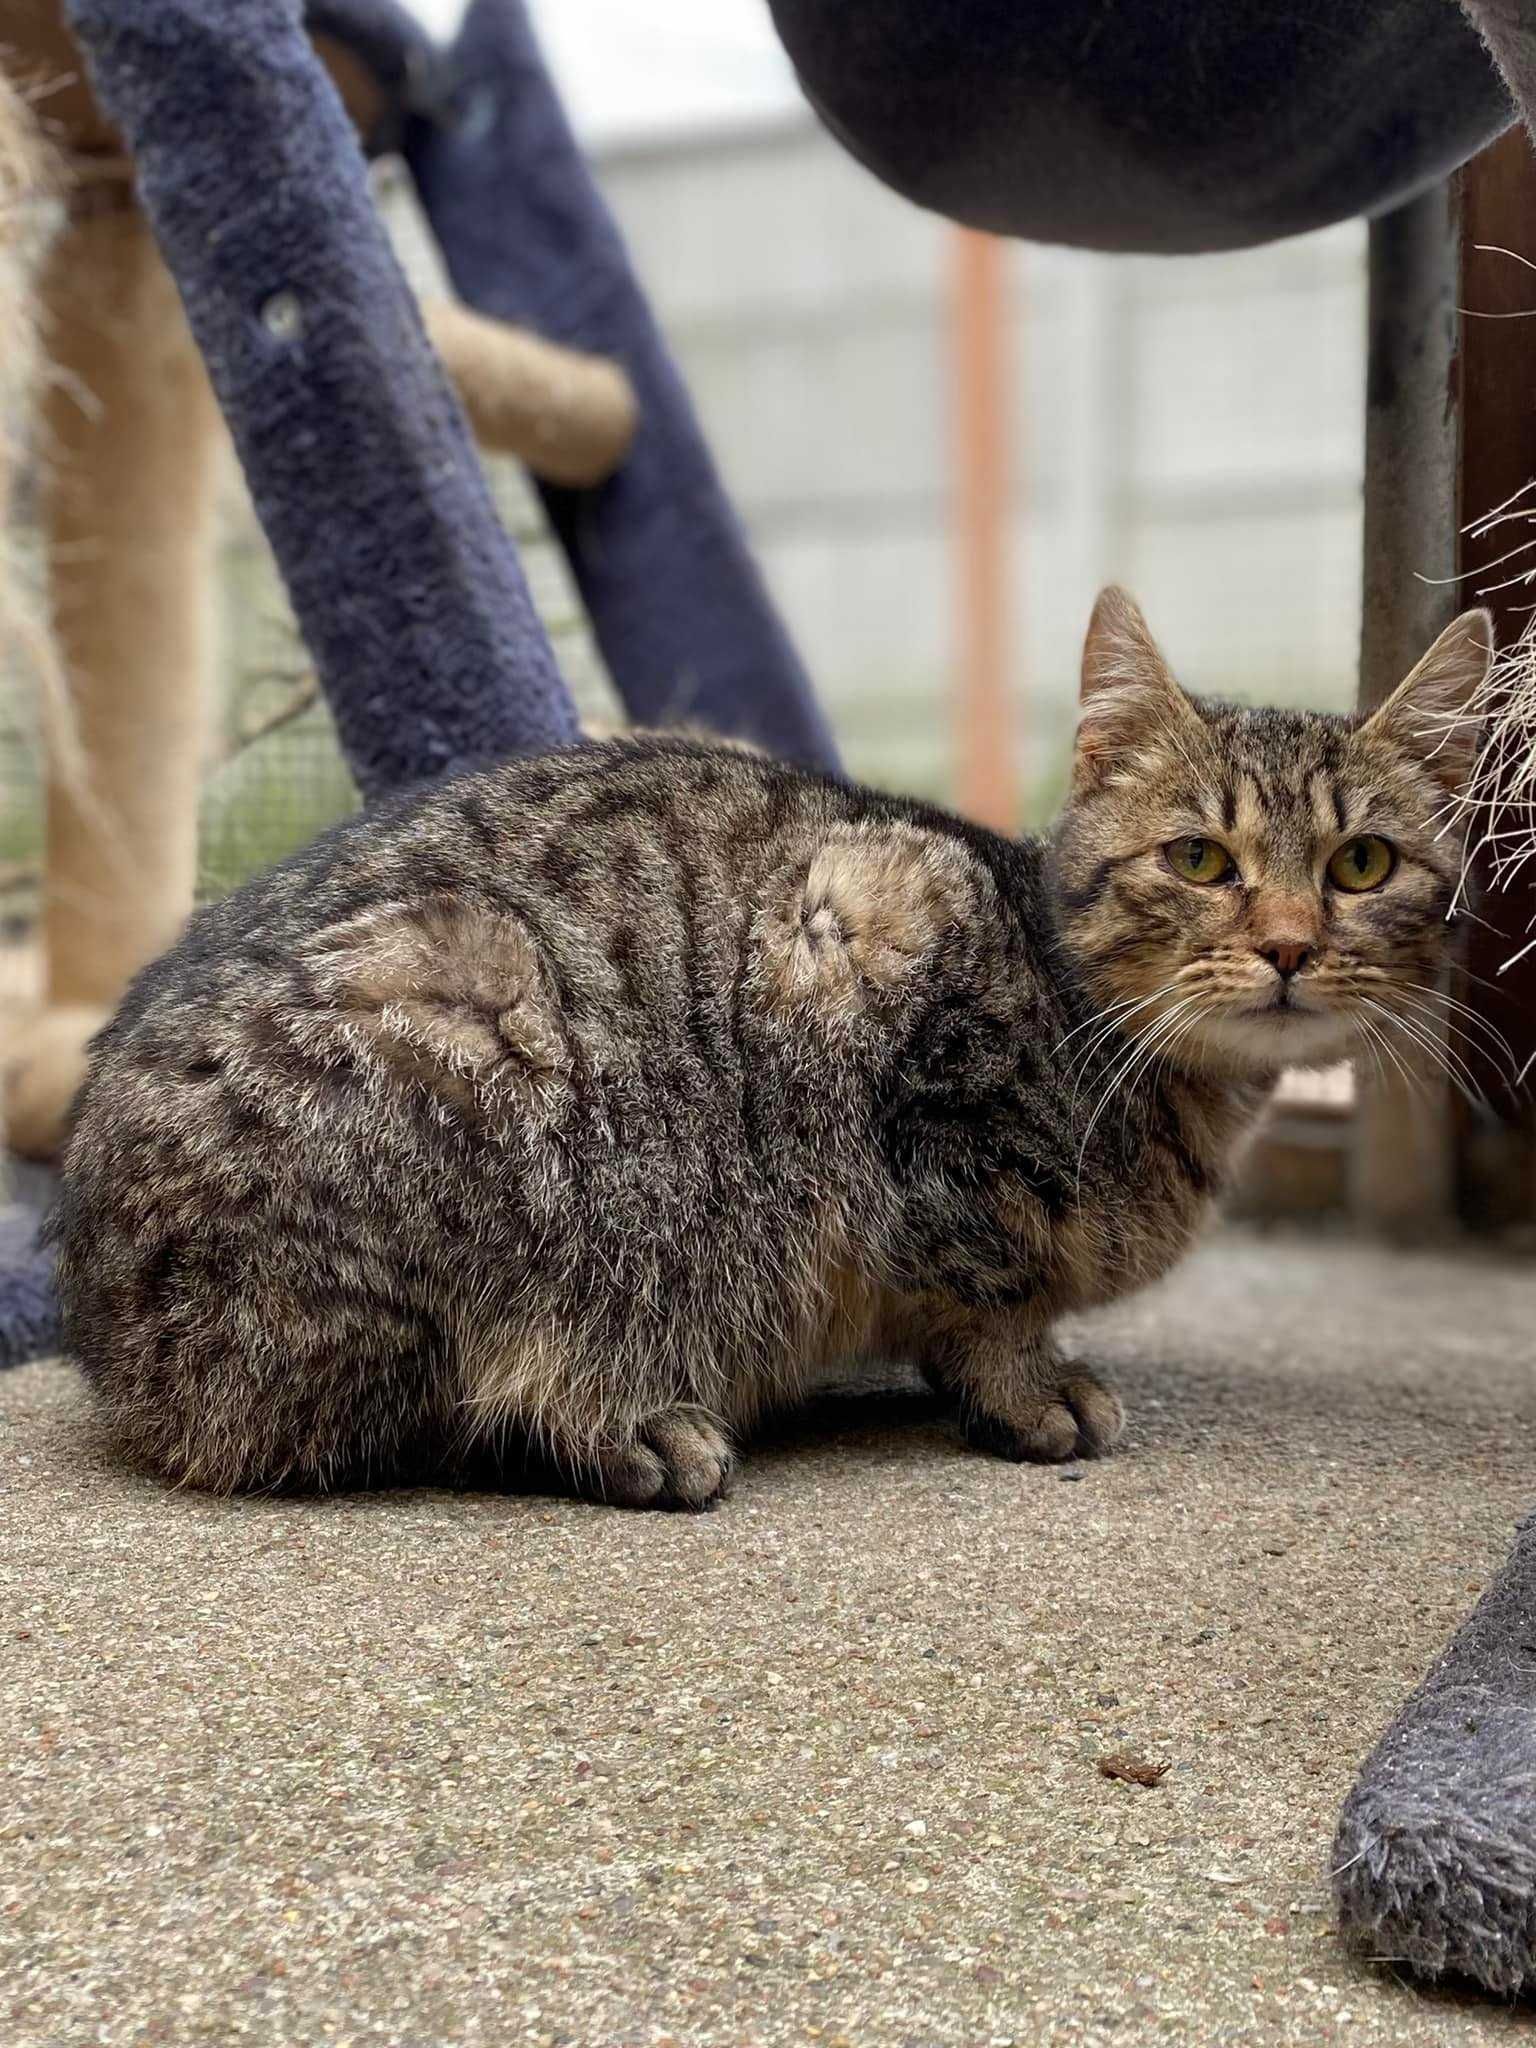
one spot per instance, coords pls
(1496, 389)
(987, 780)
(1402, 1178)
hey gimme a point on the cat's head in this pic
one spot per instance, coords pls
(1262, 888)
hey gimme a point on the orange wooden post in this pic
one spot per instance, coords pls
(987, 781)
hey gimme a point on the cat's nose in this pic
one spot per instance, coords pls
(1287, 957)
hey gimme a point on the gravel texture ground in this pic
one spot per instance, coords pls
(822, 1767)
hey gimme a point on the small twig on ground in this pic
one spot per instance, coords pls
(1132, 1770)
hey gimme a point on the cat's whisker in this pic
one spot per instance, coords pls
(1117, 1017)
(1464, 1017)
(1162, 1052)
(1440, 1056)
(1103, 1024)
(1128, 1056)
(1099, 1013)
(1145, 1055)
(1466, 974)
(1475, 1051)
(1420, 996)
(1381, 1044)
(1081, 1063)
(1443, 1055)
(1371, 1040)
(1101, 1016)
(1142, 1048)
(1415, 1083)
(1492, 1045)
(1432, 1027)
(1115, 1025)
(1125, 1060)
(1150, 1069)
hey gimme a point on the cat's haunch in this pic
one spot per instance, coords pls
(579, 1111)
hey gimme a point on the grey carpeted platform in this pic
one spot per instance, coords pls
(28, 1312)
(822, 1767)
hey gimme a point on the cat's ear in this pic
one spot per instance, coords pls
(1433, 713)
(1129, 695)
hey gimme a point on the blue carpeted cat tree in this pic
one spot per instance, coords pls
(1188, 125)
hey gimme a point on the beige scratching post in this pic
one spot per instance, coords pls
(130, 450)
(570, 417)
(131, 446)
(24, 646)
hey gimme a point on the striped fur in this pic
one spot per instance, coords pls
(577, 1112)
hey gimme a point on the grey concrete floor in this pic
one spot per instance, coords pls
(821, 1767)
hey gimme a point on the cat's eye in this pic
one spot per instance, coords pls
(1202, 861)
(1362, 863)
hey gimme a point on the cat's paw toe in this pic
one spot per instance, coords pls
(1082, 1418)
(1098, 1412)
(696, 1457)
(680, 1459)
(626, 1476)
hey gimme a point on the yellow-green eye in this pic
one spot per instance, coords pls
(1363, 863)
(1199, 860)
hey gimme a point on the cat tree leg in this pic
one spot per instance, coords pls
(567, 416)
(1401, 1164)
(1435, 1858)
(676, 601)
(404, 583)
(132, 441)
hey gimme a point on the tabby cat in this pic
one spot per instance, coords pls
(580, 1110)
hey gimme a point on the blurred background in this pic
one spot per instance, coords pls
(942, 446)
(891, 407)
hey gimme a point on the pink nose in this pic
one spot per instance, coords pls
(1286, 956)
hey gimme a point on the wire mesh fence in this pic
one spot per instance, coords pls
(274, 775)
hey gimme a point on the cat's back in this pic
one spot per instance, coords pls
(529, 832)
(654, 962)
(619, 867)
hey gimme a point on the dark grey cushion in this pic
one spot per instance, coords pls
(1435, 1860)
(1123, 124)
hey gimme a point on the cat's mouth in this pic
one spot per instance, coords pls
(1284, 1029)
(1282, 1004)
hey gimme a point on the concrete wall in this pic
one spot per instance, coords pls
(1191, 427)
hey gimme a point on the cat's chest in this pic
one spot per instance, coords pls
(1106, 1250)
(1142, 1204)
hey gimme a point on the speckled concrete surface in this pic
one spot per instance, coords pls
(819, 1768)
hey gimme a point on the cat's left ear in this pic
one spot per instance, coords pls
(1431, 714)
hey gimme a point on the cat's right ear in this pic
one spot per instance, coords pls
(1434, 714)
(1129, 695)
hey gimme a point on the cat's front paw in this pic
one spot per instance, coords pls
(680, 1458)
(1080, 1418)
